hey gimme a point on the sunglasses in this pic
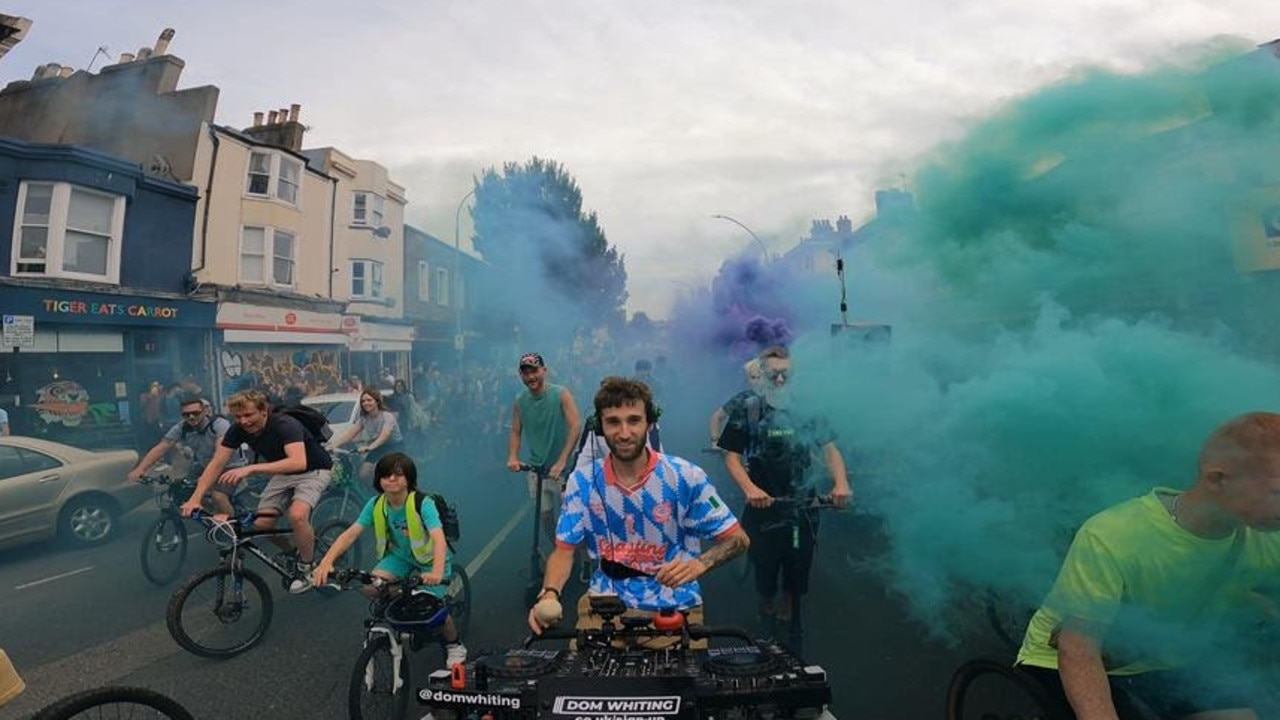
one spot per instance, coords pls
(197, 413)
(775, 374)
(617, 571)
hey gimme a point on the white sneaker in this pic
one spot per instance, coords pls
(455, 653)
(302, 582)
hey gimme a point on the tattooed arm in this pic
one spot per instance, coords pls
(729, 546)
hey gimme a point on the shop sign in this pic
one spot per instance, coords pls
(18, 331)
(238, 316)
(117, 309)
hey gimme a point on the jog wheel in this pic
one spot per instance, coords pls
(522, 663)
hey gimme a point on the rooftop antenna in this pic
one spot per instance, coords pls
(102, 51)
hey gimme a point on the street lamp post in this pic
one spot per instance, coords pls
(764, 251)
(458, 340)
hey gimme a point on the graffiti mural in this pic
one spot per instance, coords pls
(315, 372)
(64, 401)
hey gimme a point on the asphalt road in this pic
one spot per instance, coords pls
(74, 619)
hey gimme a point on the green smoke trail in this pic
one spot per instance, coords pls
(1083, 295)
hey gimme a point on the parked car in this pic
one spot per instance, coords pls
(342, 408)
(49, 489)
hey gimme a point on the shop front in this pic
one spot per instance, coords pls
(104, 369)
(284, 351)
(378, 351)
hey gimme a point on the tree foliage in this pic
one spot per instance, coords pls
(530, 227)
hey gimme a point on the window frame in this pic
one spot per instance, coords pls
(424, 281)
(268, 257)
(375, 205)
(443, 286)
(276, 181)
(56, 228)
(373, 276)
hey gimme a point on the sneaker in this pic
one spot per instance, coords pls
(302, 581)
(454, 653)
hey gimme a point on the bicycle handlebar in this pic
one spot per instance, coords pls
(352, 576)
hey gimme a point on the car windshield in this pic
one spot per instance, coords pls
(337, 411)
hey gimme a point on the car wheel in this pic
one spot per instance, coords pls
(88, 521)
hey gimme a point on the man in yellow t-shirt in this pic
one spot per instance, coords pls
(1149, 585)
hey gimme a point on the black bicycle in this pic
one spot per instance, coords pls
(225, 610)
(401, 616)
(114, 703)
(164, 544)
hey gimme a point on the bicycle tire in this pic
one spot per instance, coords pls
(459, 599)
(114, 697)
(349, 560)
(223, 611)
(344, 506)
(958, 692)
(376, 683)
(160, 562)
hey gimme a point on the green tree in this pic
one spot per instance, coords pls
(530, 228)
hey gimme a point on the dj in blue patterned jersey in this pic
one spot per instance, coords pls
(643, 517)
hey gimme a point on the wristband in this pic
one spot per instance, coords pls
(548, 587)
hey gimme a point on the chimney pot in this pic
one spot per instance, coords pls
(144, 53)
(294, 110)
(271, 117)
(65, 71)
(162, 44)
(126, 57)
(283, 115)
(257, 119)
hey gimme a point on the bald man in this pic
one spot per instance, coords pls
(1147, 585)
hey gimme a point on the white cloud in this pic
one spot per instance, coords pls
(666, 112)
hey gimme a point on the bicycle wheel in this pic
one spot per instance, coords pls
(114, 702)
(459, 600)
(377, 691)
(991, 690)
(164, 549)
(220, 613)
(343, 505)
(325, 537)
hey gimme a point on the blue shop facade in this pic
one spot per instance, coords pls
(97, 261)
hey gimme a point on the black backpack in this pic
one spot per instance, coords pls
(448, 514)
(312, 419)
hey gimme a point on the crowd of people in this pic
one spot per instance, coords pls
(1144, 585)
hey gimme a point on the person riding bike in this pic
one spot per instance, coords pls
(378, 430)
(1144, 604)
(299, 466)
(643, 515)
(408, 536)
(197, 436)
(769, 451)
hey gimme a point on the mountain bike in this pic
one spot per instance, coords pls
(115, 702)
(401, 616)
(164, 544)
(225, 610)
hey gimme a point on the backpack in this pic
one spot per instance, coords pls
(448, 514)
(311, 419)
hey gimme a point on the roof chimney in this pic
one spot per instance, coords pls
(162, 44)
(65, 71)
(271, 118)
(257, 119)
(126, 57)
(294, 110)
(282, 129)
(144, 53)
(283, 115)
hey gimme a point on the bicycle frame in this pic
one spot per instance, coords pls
(230, 554)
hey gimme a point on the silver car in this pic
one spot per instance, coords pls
(49, 489)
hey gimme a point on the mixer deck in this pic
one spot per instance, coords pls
(750, 679)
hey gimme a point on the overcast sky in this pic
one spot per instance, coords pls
(774, 112)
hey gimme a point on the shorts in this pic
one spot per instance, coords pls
(398, 567)
(1166, 693)
(786, 551)
(304, 487)
(588, 620)
(552, 491)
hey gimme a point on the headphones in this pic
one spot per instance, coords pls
(652, 411)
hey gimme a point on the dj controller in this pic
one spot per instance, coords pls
(613, 680)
